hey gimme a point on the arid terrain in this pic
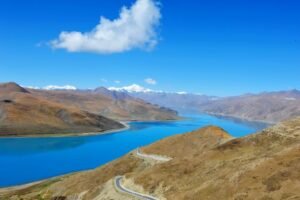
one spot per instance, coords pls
(29, 112)
(23, 113)
(271, 107)
(112, 104)
(205, 164)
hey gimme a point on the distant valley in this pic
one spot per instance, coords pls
(268, 106)
(271, 107)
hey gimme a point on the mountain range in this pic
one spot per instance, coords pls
(112, 104)
(25, 111)
(271, 107)
(19, 113)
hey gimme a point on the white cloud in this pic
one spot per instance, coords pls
(135, 28)
(131, 88)
(140, 89)
(117, 81)
(52, 87)
(104, 80)
(181, 93)
(32, 87)
(150, 81)
(56, 87)
(290, 98)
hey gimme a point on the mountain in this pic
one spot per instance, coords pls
(11, 87)
(268, 106)
(182, 102)
(24, 113)
(203, 164)
(112, 104)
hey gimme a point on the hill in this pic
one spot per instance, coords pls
(268, 106)
(11, 87)
(182, 102)
(111, 104)
(24, 113)
(205, 164)
(271, 107)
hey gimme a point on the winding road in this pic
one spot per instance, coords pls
(153, 157)
(121, 188)
(118, 179)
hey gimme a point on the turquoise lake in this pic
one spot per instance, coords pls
(24, 160)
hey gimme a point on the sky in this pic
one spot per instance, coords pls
(212, 47)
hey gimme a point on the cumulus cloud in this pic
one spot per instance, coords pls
(57, 87)
(150, 81)
(136, 27)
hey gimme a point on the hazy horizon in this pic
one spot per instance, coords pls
(134, 88)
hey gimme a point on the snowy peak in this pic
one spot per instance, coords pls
(131, 88)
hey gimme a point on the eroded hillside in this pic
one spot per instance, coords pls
(23, 113)
(112, 104)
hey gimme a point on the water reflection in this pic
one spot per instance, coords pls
(255, 124)
(21, 146)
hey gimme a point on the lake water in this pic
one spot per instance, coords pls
(24, 160)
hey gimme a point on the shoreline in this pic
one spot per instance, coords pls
(125, 124)
(167, 120)
(240, 118)
(127, 127)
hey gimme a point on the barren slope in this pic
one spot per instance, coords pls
(269, 106)
(115, 105)
(22, 113)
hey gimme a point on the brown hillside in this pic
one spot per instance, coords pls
(11, 87)
(114, 105)
(269, 106)
(23, 113)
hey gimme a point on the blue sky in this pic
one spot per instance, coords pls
(213, 47)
